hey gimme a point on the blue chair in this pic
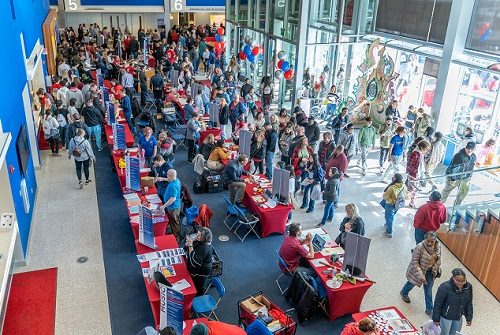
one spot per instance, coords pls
(283, 266)
(206, 303)
(248, 220)
(258, 328)
(231, 211)
(323, 297)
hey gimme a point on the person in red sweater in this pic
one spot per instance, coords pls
(429, 216)
(216, 328)
(365, 326)
(338, 160)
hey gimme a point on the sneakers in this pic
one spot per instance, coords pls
(346, 175)
(309, 211)
(388, 235)
(363, 173)
(381, 170)
(329, 220)
(319, 225)
(87, 182)
(302, 207)
(406, 298)
(81, 184)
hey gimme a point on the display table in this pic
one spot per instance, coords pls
(181, 272)
(272, 220)
(191, 323)
(204, 133)
(129, 138)
(393, 315)
(348, 297)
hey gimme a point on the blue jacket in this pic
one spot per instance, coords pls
(127, 106)
(232, 172)
(237, 112)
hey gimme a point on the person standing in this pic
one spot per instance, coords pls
(172, 197)
(385, 132)
(148, 143)
(325, 149)
(223, 117)
(338, 160)
(339, 123)
(231, 176)
(285, 139)
(429, 216)
(199, 259)
(93, 119)
(258, 150)
(192, 135)
(396, 151)
(312, 131)
(392, 111)
(349, 140)
(459, 173)
(127, 82)
(434, 158)
(143, 84)
(415, 169)
(366, 138)
(411, 117)
(330, 195)
(424, 267)
(126, 105)
(51, 132)
(81, 150)
(453, 299)
(160, 168)
(271, 142)
(391, 195)
(315, 175)
(422, 122)
(156, 83)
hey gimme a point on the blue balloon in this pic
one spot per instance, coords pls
(247, 50)
(285, 66)
(217, 38)
(486, 35)
(251, 58)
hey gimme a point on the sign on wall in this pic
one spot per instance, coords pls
(127, 6)
(197, 6)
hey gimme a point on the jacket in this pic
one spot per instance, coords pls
(232, 172)
(127, 106)
(423, 259)
(236, 110)
(258, 152)
(303, 296)
(204, 216)
(366, 136)
(312, 132)
(206, 149)
(351, 329)
(296, 160)
(385, 133)
(284, 142)
(462, 164)
(83, 146)
(92, 116)
(430, 216)
(325, 151)
(331, 187)
(339, 121)
(271, 140)
(414, 164)
(350, 143)
(193, 127)
(199, 261)
(358, 226)
(224, 115)
(391, 195)
(451, 303)
(437, 153)
(340, 162)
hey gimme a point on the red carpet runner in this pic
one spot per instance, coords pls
(32, 303)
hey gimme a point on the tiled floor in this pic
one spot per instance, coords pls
(66, 227)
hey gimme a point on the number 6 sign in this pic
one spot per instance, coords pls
(178, 5)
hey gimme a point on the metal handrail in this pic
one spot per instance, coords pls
(459, 173)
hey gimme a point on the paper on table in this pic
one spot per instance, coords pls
(131, 196)
(153, 198)
(389, 314)
(134, 209)
(134, 219)
(181, 284)
(331, 251)
(317, 262)
(133, 203)
(145, 170)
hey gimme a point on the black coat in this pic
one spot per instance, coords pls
(312, 132)
(224, 115)
(451, 303)
(199, 261)
(303, 296)
(258, 152)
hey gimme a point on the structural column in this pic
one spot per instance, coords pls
(300, 59)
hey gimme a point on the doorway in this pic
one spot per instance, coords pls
(114, 21)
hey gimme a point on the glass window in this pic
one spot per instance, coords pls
(484, 30)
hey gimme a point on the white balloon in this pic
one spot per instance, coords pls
(250, 41)
(281, 55)
(247, 38)
(252, 66)
(278, 74)
(223, 38)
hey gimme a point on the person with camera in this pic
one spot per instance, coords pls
(199, 258)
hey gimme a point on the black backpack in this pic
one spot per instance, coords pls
(136, 107)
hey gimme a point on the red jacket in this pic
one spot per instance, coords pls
(203, 218)
(351, 329)
(340, 162)
(430, 216)
(296, 160)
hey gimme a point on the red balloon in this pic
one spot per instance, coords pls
(220, 31)
(242, 55)
(255, 50)
(279, 63)
(217, 45)
(288, 74)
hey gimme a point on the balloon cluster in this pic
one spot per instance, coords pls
(250, 51)
(284, 69)
(485, 32)
(220, 38)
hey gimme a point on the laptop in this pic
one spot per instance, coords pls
(318, 243)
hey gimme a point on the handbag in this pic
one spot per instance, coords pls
(316, 192)
(340, 239)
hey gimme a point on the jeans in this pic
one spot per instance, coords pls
(63, 132)
(390, 212)
(85, 165)
(144, 94)
(223, 131)
(96, 130)
(463, 189)
(269, 165)
(54, 144)
(364, 154)
(429, 277)
(190, 150)
(395, 161)
(330, 111)
(383, 156)
(328, 212)
(419, 235)
(196, 65)
(306, 202)
(450, 327)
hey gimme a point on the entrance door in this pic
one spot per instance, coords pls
(114, 21)
(31, 126)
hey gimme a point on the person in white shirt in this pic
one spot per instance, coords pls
(127, 82)
(63, 68)
(435, 157)
(75, 93)
(62, 93)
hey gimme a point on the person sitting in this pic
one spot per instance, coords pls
(231, 176)
(207, 145)
(199, 259)
(216, 157)
(365, 326)
(292, 250)
(216, 328)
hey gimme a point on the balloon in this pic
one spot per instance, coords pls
(247, 50)
(251, 58)
(223, 38)
(252, 66)
(485, 36)
(247, 38)
(289, 74)
(281, 55)
(255, 50)
(217, 38)
(280, 63)
(220, 31)
(250, 42)
(285, 66)
(242, 55)
(217, 45)
(278, 74)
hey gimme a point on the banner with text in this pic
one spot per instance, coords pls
(197, 6)
(171, 308)
(110, 113)
(119, 137)
(146, 235)
(132, 173)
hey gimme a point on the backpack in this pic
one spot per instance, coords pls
(77, 151)
(267, 89)
(400, 200)
(61, 120)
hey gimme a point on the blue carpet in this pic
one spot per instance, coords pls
(249, 267)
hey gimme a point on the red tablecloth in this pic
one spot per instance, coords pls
(347, 298)
(272, 220)
(208, 131)
(167, 242)
(129, 138)
(189, 324)
(358, 316)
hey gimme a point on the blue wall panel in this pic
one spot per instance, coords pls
(121, 2)
(29, 16)
(204, 3)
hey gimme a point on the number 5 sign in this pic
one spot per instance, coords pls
(71, 5)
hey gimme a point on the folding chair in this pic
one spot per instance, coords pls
(231, 211)
(206, 303)
(179, 138)
(323, 297)
(284, 271)
(150, 102)
(246, 219)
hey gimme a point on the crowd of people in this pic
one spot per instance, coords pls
(318, 161)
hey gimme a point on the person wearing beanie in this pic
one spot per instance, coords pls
(429, 216)
(459, 173)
